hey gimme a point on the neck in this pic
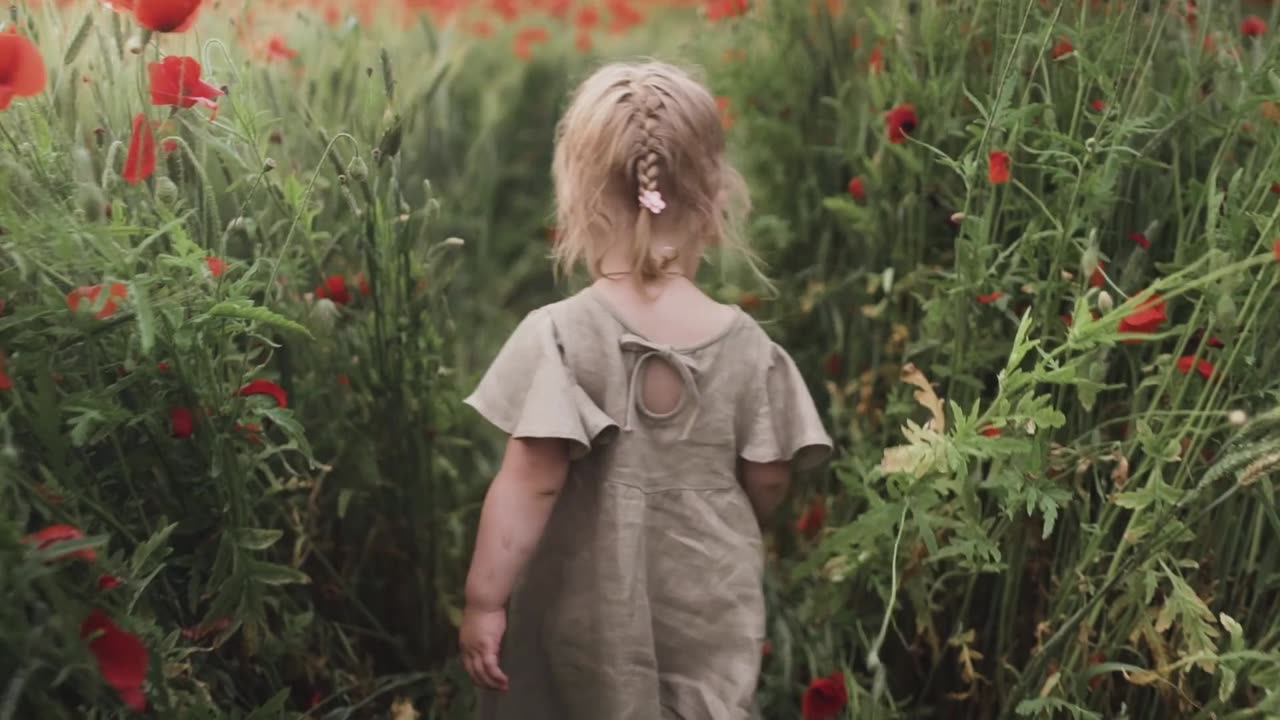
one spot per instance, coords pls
(618, 263)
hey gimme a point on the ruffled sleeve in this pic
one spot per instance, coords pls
(784, 424)
(529, 391)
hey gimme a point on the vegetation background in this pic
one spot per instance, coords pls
(1029, 247)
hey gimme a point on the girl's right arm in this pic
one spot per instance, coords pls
(766, 485)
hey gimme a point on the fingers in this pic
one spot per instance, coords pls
(495, 673)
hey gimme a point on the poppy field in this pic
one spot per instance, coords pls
(253, 255)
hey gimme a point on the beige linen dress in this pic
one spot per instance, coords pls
(644, 599)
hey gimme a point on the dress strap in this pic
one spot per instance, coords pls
(685, 365)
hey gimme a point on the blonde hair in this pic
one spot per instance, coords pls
(636, 128)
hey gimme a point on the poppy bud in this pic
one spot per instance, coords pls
(957, 218)
(357, 169)
(268, 165)
(390, 144)
(1105, 303)
(91, 201)
(324, 313)
(1091, 145)
(242, 224)
(1237, 417)
(166, 191)
(1225, 311)
(1089, 261)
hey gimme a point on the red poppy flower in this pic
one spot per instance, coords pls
(988, 298)
(726, 113)
(1098, 277)
(265, 387)
(1145, 319)
(1190, 15)
(1275, 188)
(875, 60)
(165, 15)
(121, 656)
(825, 698)
(118, 291)
(812, 520)
(624, 15)
(181, 422)
(55, 534)
(176, 81)
(998, 167)
(1141, 240)
(582, 41)
(1202, 366)
(991, 430)
(140, 162)
(856, 189)
(107, 581)
(277, 49)
(526, 39)
(334, 288)
(1252, 26)
(900, 122)
(1098, 105)
(22, 71)
(216, 265)
(833, 365)
(6, 383)
(1063, 48)
(199, 632)
(250, 431)
(721, 9)
(343, 380)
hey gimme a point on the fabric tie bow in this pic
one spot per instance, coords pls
(683, 364)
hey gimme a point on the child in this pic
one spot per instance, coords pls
(650, 428)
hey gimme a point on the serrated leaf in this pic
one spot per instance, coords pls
(256, 538)
(154, 545)
(257, 314)
(273, 574)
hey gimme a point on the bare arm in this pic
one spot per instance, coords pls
(766, 485)
(515, 513)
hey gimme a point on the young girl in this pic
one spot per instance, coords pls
(619, 561)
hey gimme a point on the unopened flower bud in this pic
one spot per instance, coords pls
(1105, 303)
(1237, 417)
(957, 218)
(1089, 261)
(357, 169)
(268, 165)
(166, 191)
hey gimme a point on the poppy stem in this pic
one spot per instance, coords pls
(9, 137)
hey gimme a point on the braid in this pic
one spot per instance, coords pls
(648, 107)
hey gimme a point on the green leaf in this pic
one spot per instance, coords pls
(154, 545)
(257, 538)
(273, 574)
(273, 709)
(145, 315)
(245, 311)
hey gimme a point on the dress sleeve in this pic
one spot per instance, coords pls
(785, 425)
(529, 391)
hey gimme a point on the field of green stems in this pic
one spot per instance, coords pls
(254, 254)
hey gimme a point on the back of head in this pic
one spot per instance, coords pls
(639, 153)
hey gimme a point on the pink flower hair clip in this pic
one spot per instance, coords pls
(652, 201)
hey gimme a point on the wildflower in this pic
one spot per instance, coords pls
(992, 431)
(140, 161)
(362, 283)
(181, 423)
(1141, 240)
(825, 698)
(833, 365)
(265, 387)
(176, 81)
(988, 298)
(6, 383)
(165, 16)
(998, 167)
(624, 15)
(875, 61)
(1145, 319)
(721, 9)
(107, 581)
(217, 266)
(726, 113)
(812, 520)
(250, 431)
(856, 189)
(121, 656)
(55, 534)
(900, 122)
(1098, 105)
(22, 71)
(1202, 366)
(1252, 26)
(1062, 49)
(1237, 417)
(117, 291)
(276, 49)
(334, 288)
(1098, 277)
(526, 39)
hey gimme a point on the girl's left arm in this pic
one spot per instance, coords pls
(512, 520)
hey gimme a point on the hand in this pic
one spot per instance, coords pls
(481, 637)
